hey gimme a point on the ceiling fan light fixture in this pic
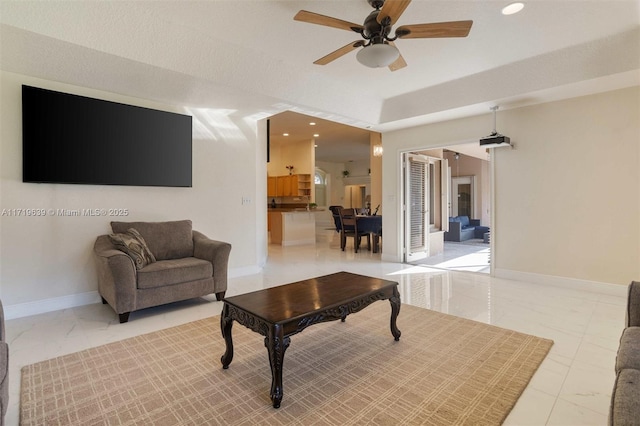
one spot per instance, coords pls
(512, 8)
(378, 55)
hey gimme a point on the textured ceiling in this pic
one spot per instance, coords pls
(253, 58)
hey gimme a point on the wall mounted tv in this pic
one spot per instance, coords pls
(74, 139)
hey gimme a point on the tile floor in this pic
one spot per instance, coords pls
(572, 386)
(471, 256)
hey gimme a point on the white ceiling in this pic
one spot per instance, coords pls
(335, 143)
(251, 57)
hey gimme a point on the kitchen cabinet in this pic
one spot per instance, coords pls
(289, 185)
(272, 186)
(283, 186)
(303, 184)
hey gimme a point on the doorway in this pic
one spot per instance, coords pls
(320, 180)
(426, 204)
(355, 196)
(462, 196)
(469, 194)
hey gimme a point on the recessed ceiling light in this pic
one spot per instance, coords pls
(316, 135)
(285, 134)
(312, 124)
(512, 8)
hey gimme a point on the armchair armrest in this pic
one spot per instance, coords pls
(4, 368)
(454, 233)
(217, 252)
(474, 222)
(3, 335)
(116, 276)
(633, 305)
(4, 380)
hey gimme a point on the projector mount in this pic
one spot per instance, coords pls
(495, 139)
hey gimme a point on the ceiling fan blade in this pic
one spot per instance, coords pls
(392, 9)
(327, 21)
(398, 63)
(435, 30)
(338, 53)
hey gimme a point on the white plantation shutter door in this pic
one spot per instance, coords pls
(416, 207)
(417, 204)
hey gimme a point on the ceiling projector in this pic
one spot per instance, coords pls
(495, 139)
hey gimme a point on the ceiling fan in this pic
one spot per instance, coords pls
(378, 49)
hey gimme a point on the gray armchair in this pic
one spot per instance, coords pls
(182, 264)
(625, 398)
(4, 369)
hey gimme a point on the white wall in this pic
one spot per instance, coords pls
(335, 182)
(51, 257)
(299, 154)
(567, 198)
(358, 168)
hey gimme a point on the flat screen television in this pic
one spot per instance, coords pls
(79, 140)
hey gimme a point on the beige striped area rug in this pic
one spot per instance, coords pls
(444, 370)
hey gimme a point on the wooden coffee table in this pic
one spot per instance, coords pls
(280, 312)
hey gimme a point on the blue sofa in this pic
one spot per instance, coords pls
(461, 228)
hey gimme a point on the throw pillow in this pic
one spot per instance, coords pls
(132, 243)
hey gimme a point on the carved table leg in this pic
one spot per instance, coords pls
(225, 325)
(395, 310)
(276, 344)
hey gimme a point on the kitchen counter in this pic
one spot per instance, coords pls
(292, 227)
(294, 208)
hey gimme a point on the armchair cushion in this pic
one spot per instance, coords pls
(625, 399)
(132, 243)
(166, 240)
(629, 351)
(464, 220)
(174, 271)
(633, 305)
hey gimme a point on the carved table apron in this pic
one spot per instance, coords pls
(280, 312)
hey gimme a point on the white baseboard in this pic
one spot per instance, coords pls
(570, 283)
(27, 309)
(49, 305)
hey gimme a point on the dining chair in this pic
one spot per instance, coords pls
(350, 229)
(335, 211)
